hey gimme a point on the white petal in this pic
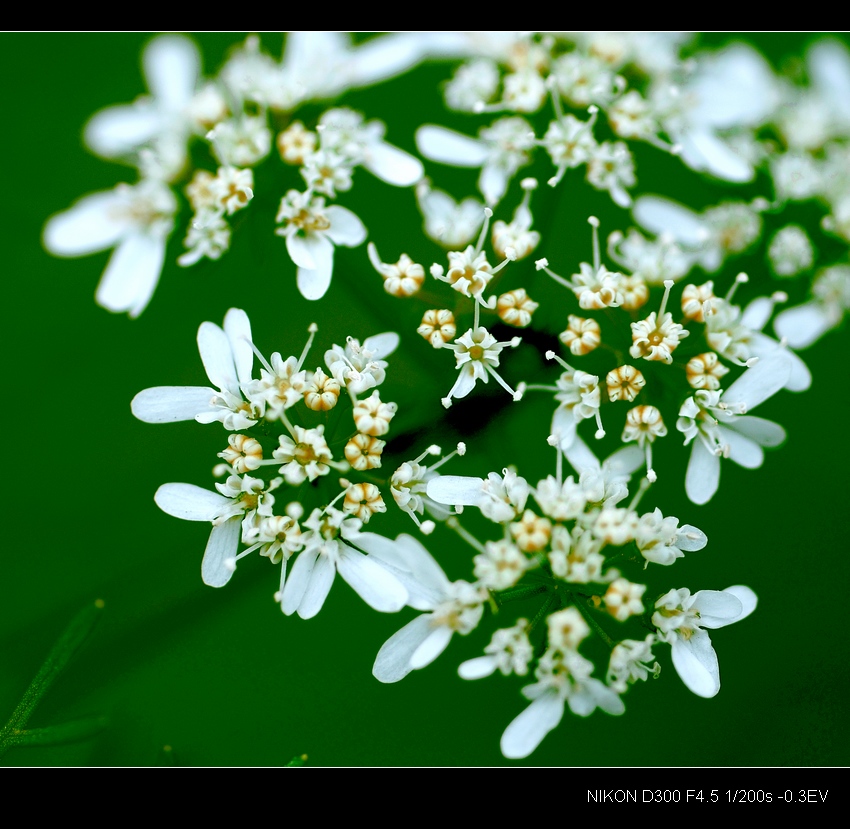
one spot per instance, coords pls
(696, 663)
(803, 325)
(425, 567)
(383, 549)
(304, 50)
(659, 215)
(625, 460)
(564, 428)
(392, 165)
(282, 582)
(172, 65)
(703, 475)
(321, 581)
(346, 228)
(477, 668)
(465, 382)
(376, 586)
(757, 313)
(716, 608)
(829, 71)
(697, 540)
(456, 489)
(527, 730)
(742, 450)
(170, 404)
(298, 581)
(431, 648)
(410, 563)
(734, 88)
(595, 694)
(223, 544)
(91, 224)
(238, 329)
(746, 597)
(132, 274)
(621, 196)
(800, 378)
(580, 457)
(314, 283)
(300, 248)
(393, 660)
(705, 152)
(384, 57)
(217, 357)
(450, 147)
(493, 182)
(764, 432)
(118, 130)
(190, 502)
(382, 345)
(760, 382)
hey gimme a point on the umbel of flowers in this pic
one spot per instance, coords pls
(277, 442)
(653, 348)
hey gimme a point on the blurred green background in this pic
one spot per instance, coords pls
(221, 675)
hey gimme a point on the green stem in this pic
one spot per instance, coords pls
(582, 608)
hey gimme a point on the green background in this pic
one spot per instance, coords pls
(221, 675)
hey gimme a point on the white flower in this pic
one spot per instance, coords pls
(135, 220)
(653, 261)
(579, 398)
(563, 678)
(403, 278)
(509, 652)
(662, 540)
(320, 64)
(790, 251)
(159, 124)
(329, 538)
(311, 230)
(473, 84)
(734, 88)
(361, 367)
(518, 234)
(709, 237)
(208, 235)
(500, 151)
(451, 607)
(606, 483)
(305, 456)
(409, 487)
(723, 430)
(612, 168)
(501, 565)
(452, 224)
(477, 357)
(241, 141)
(569, 142)
(228, 359)
(344, 131)
(805, 324)
(233, 511)
(736, 334)
(681, 618)
(501, 498)
(628, 663)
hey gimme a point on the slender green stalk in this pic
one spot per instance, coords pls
(14, 733)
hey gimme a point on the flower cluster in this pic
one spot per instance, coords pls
(258, 412)
(659, 337)
(582, 555)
